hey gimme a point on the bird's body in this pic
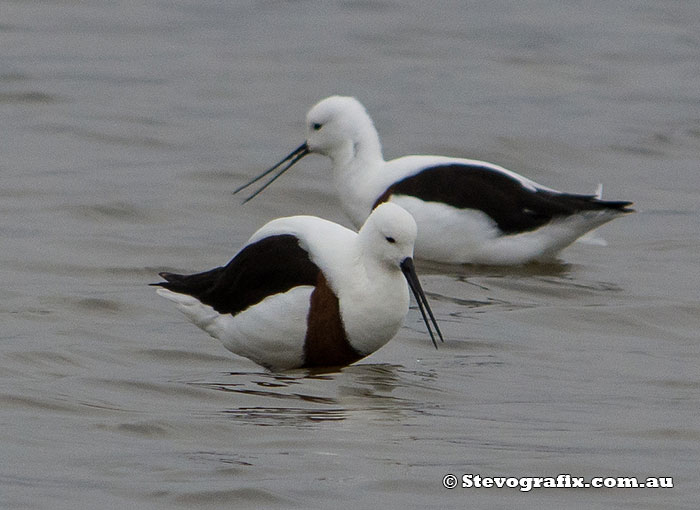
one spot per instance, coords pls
(306, 292)
(467, 211)
(471, 211)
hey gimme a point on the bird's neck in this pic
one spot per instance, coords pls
(355, 151)
(380, 302)
(356, 166)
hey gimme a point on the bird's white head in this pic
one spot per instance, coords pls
(386, 241)
(388, 235)
(339, 127)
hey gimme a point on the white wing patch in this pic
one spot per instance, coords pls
(271, 332)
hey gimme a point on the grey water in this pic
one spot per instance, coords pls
(126, 125)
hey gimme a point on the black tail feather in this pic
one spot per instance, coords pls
(191, 284)
(619, 205)
(577, 202)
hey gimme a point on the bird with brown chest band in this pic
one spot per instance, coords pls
(306, 292)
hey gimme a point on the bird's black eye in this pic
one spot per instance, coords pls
(316, 126)
(390, 239)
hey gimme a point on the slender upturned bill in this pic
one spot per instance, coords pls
(409, 272)
(291, 159)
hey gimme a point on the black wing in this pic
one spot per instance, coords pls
(270, 266)
(511, 205)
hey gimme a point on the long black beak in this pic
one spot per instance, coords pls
(409, 272)
(291, 159)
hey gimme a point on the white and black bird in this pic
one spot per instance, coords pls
(467, 211)
(305, 292)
